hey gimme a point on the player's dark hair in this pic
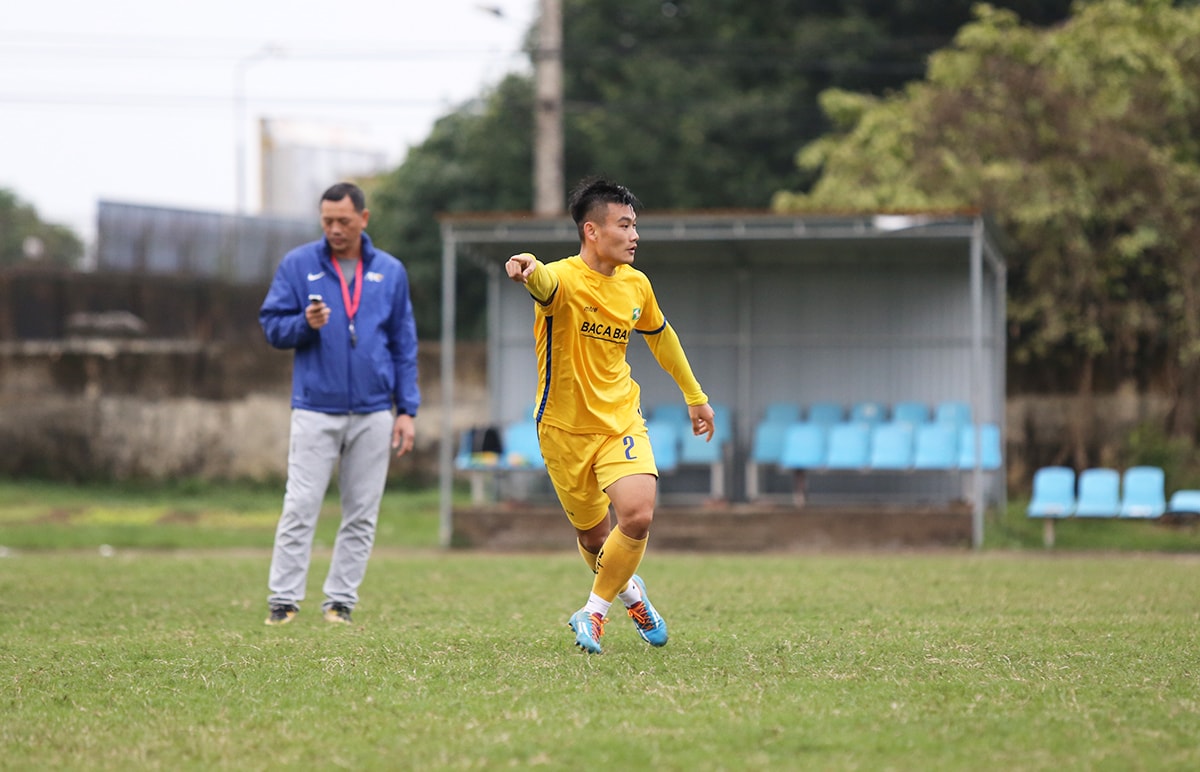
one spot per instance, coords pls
(341, 190)
(592, 193)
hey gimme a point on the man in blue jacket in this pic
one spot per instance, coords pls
(343, 306)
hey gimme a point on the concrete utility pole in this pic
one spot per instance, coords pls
(548, 187)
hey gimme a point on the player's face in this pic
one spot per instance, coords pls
(343, 226)
(617, 236)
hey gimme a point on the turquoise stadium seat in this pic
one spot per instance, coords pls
(935, 447)
(782, 412)
(664, 440)
(953, 411)
(677, 412)
(462, 459)
(521, 449)
(766, 449)
(1053, 492)
(825, 413)
(915, 413)
(989, 438)
(723, 420)
(671, 411)
(804, 446)
(1099, 493)
(698, 450)
(1143, 492)
(891, 446)
(849, 446)
(1184, 502)
(767, 445)
(868, 412)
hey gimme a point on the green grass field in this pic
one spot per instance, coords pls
(155, 657)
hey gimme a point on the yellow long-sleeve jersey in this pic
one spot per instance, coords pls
(582, 327)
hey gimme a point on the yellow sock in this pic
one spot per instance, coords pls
(588, 557)
(616, 564)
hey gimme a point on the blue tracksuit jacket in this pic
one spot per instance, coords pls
(329, 375)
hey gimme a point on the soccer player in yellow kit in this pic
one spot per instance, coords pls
(590, 427)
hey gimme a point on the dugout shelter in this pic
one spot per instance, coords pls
(773, 308)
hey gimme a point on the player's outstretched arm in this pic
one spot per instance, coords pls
(520, 267)
(702, 420)
(537, 278)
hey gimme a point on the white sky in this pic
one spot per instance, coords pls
(134, 101)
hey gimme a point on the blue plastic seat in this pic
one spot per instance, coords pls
(676, 412)
(935, 446)
(1184, 502)
(782, 412)
(849, 446)
(664, 441)
(1143, 492)
(700, 450)
(826, 413)
(891, 446)
(1099, 493)
(953, 411)
(722, 420)
(868, 412)
(1053, 492)
(521, 448)
(989, 440)
(910, 412)
(767, 444)
(804, 446)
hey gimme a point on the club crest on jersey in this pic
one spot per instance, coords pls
(637, 314)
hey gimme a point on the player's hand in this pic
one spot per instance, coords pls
(317, 315)
(702, 420)
(520, 267)
(404, 433)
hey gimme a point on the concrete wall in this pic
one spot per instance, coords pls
(144, 409)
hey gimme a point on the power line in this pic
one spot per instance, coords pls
(201, 101)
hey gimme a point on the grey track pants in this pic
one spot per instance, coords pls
(360, 447)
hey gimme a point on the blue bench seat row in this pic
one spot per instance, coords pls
(828, 413)
(518, 450)
(1138, 492)
(892, 446)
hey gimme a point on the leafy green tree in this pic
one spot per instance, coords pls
(21, 229)
(696, 105)
(693, 105)
(477, 159)
(1081, 139)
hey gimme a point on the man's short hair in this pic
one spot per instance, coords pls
(341, 190)
(592, 193)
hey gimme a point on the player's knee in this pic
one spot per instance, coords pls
(635, 523)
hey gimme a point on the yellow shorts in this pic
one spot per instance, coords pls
(582, 466)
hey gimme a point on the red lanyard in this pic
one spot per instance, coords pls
(351, 304)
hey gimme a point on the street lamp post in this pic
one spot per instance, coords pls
(240, 69)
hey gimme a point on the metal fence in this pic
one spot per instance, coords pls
(180, 242)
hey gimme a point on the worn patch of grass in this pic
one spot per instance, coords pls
(190, 515)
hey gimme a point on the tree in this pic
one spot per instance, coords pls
(477, 159)
(1081, 139)
(693, 105)
(25, 237)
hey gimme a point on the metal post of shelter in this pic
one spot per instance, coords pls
(977, 379)
(446, 447)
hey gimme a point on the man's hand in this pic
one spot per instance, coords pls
(520, 267)
(404, 432)
(702, 420)
(317, 315)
